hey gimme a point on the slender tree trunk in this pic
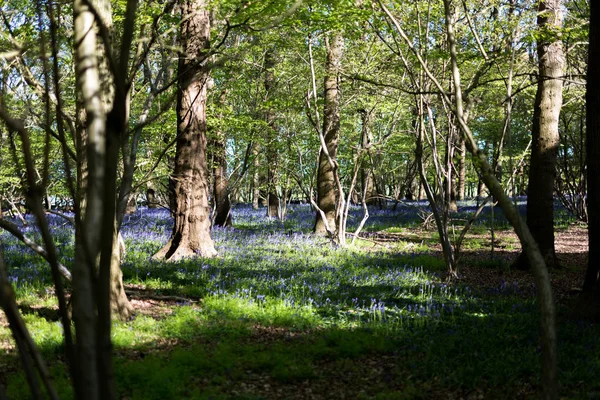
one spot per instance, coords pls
(439, 211)
(191, 230)
(481, 188)
(220, 180)
(273, 207)
(221, 191)
(256, 176)
(592, 282)
(545, 137)
(449, 184)
(327, 195)
(548, 356)
(462, 169)
(367, 178)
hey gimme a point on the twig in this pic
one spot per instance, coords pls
(16, 232)
(70, 220)
(27, 348)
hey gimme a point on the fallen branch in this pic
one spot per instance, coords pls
(382, 244)
(137, 293)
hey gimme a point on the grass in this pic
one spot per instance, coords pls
(282, 313)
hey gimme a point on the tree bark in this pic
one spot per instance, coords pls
(221, 191)
(255, 176)
(462, 169)
(131, 204)
(220, 180)
(119, 303)
(449, 181)
(273, 207)
(545, 137)
(367, 178)
(327, 195)
(151, 195)
(191, 231)
(91, 133)
(107, 94)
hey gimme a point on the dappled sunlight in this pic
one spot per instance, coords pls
(286, 307)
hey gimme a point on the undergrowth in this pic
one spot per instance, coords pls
(281, 310)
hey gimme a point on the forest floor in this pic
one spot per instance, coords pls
(378, 323)
(481, 268)
(478, 268)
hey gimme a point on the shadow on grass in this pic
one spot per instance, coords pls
(213, 353)
(287, 318)
(47, 313)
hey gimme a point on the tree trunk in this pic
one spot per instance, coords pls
(119, 304)
(462, 169)
(117, 292)
(191, 230)
(256, 176)
(548, 102)
(151, 195)
(273, 207)
(220, 180)
(131, 204)
(548, 355)
(221, 191)
(367, 178)
(327, 195)
(592, 284)
(91, 135)
(449, 183)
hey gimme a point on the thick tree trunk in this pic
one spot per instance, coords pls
(151, 195)
(545, 137)
(592, 284)
(327, 195)
(91, 136)
(83, 157)
(191, 230)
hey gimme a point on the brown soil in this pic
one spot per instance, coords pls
(482, 269)
(572, 251)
